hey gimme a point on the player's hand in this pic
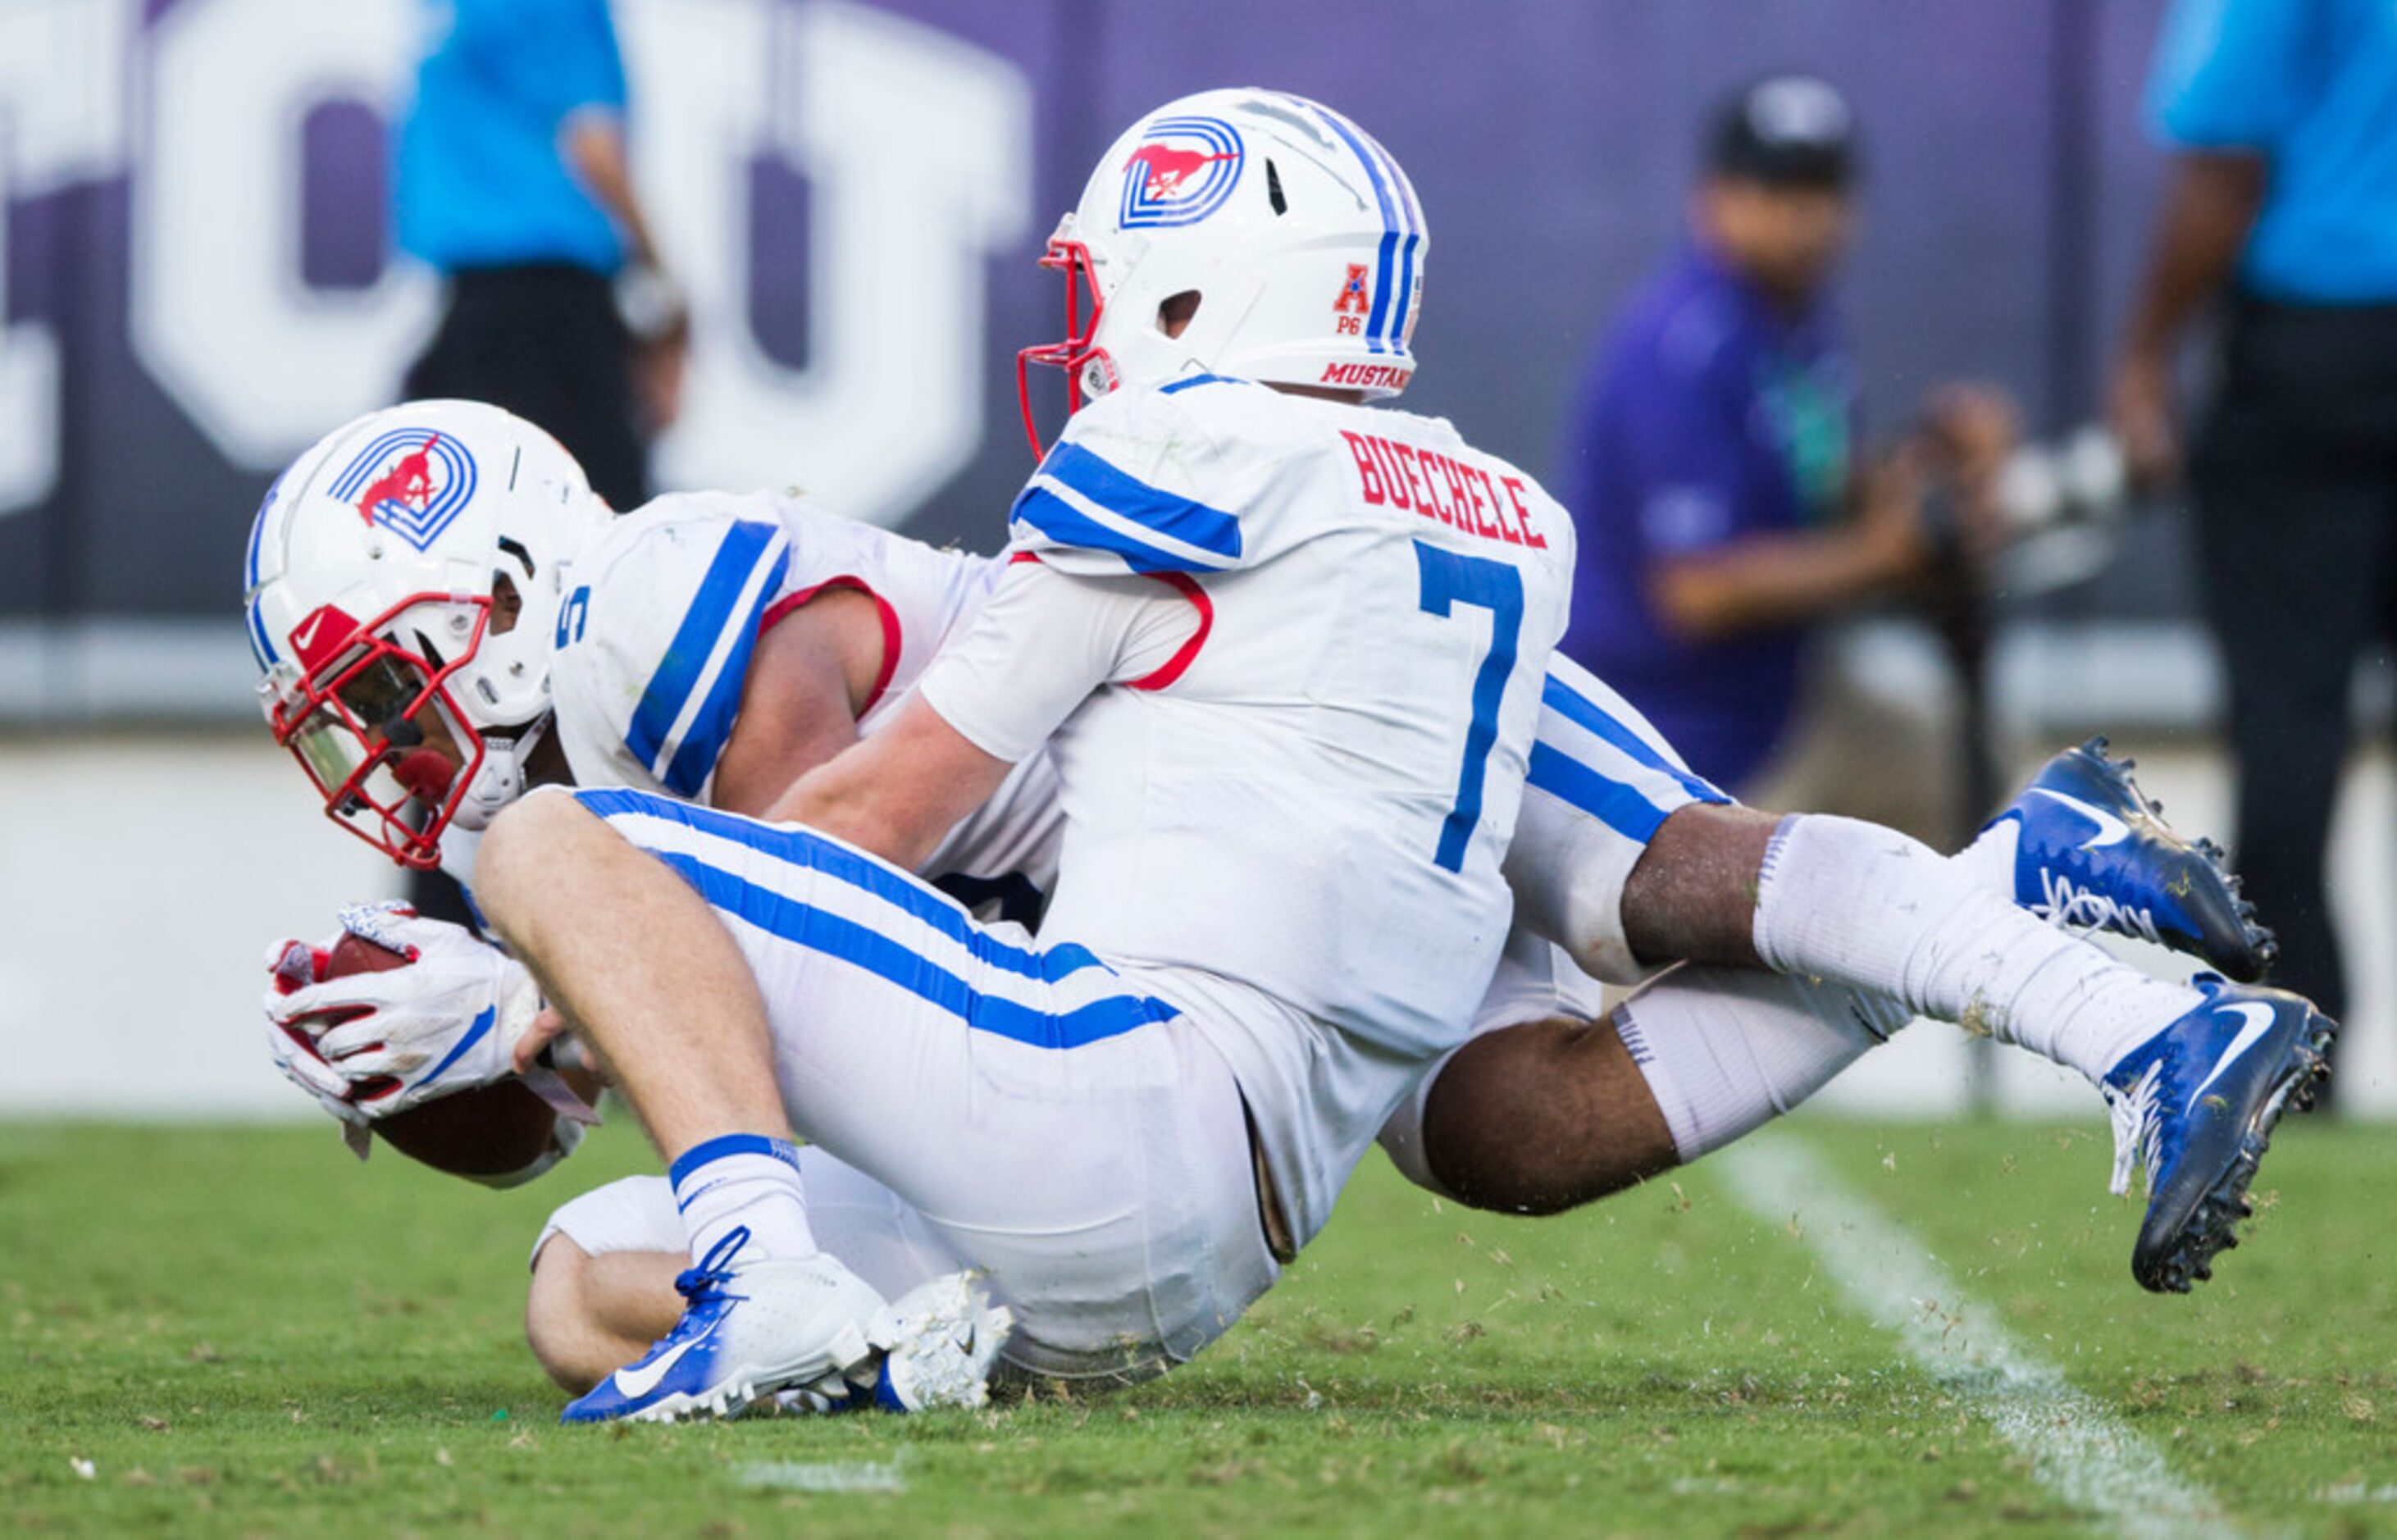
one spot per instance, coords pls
(293, 965)
(447, 1021)
(2140, 411)
(547, 1028)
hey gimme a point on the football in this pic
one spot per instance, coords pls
(490, 1131)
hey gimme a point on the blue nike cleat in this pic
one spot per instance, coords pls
(2196, 1104)
(2095, 855)
(746, 1331)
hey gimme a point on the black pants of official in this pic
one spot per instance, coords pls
(2295, 480)
(544, 341)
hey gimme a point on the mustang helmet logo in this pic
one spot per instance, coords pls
(1184, 171)
(411, 481)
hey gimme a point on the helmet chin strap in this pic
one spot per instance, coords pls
(500, 778)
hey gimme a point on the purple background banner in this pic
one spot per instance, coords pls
(1551, 141)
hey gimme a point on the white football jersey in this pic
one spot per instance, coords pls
(661, 617)
(1296, 820)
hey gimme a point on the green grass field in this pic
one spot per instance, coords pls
(239, 1331)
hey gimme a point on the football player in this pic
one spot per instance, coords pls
(813, 626)
(1267, 945)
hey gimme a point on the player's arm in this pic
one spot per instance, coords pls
(898, 792)
(810, 674)
(1042, 645)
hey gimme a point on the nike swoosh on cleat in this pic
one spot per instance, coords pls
(635, 1380)
(2111, 829)
(2258, 1020)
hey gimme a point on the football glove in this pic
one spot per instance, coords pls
(448, 1021)
(291, 966)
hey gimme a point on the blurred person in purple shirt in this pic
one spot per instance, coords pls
(1714, 464)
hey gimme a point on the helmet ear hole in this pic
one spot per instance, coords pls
(507, 604)
(1272, 188)
(1173, 314)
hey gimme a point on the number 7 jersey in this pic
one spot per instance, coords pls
(1313, 797)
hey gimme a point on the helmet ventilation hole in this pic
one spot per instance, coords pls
(1272, 188)
(507, 604)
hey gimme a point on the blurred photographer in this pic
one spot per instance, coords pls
(1727, 510)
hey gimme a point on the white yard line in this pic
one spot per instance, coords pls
(862, 1476)
(2078, 1448)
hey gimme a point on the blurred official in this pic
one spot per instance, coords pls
(513, 181)
(2283, 202)
(1715, 469)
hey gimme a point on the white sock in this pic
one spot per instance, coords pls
(1866, 906)
(1989, 861)
(1725, 1050)
(744, 1181)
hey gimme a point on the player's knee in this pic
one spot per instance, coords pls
(526, 852)
(556, 1326)
(1541, 1118)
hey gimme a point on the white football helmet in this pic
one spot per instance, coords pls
(405, 581)
(1299, 233)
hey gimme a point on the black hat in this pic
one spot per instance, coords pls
(1786, 130)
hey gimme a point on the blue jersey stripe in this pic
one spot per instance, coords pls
(834, 935)
(702, 743)
(1619, 806)
(1051, 516)
(1189, 380)
(677, 673)
(1119, 492)
(1568, 702)
(804, 848)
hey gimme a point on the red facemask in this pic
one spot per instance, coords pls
(1078, 352)
(355, 724)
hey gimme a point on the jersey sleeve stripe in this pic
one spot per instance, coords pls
(732, 587)
(1562, 698)
(1613, 803)
(1191, 382)
(702, 741)
(1104, 493)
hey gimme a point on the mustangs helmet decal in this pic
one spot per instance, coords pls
(411, 481)
(1183, 172)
